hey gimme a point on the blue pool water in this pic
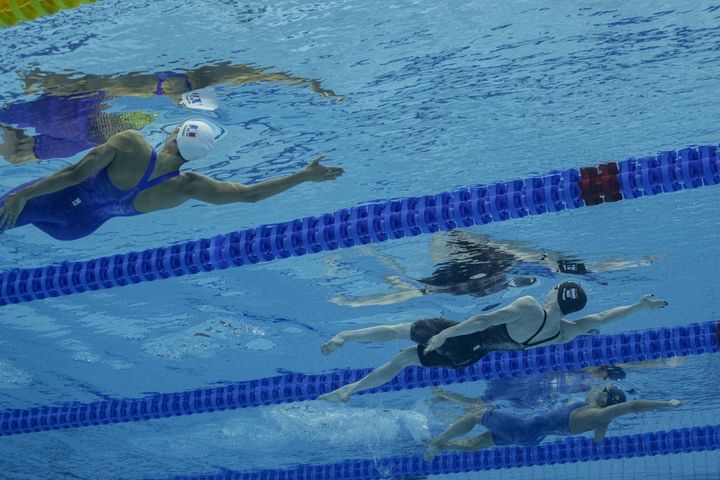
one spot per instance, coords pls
(436, 96)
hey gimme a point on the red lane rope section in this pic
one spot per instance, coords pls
(600, 184)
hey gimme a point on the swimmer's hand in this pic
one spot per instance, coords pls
(320, 173)
(435, 342)
(677, 403)
(325, 92)
(10, 211)
(650, 303)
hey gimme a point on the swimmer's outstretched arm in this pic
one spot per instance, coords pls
(637, 406)
(522, 307)
(599, 418)
(203, 188)
(98, 158)
(570, 330)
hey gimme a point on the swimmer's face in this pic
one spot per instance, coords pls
(552, 295)
(172, 138)
(601, 398)
(171, 142)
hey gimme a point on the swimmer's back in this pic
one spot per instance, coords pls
(132, 157)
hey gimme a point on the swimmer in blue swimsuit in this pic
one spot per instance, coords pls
(63, 125)
(525, 323)
(529, 391)
(573, 418)
(126, 176)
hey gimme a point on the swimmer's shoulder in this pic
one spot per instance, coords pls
(128, 141)
(526, 303)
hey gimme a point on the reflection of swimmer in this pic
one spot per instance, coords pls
(533, 390)
(126, 176)
(525, 323)
(63, 126)
(171, 84)
(70, 114)
(529, 391)
(504, 428)
(476, 265)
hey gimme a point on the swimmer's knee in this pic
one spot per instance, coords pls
(483, 441)
(477, 413)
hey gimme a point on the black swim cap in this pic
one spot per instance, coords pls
(571, 297)
(572, 267)
(613, 372)
(614, 395)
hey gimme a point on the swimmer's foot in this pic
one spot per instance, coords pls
(431, 451)
(341, 395)
(336, 342)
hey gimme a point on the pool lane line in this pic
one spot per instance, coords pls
(568, 450)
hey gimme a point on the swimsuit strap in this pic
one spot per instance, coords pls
(161, 76)
(148, 170)
(160, 179)
(145, 183)
(530, 343)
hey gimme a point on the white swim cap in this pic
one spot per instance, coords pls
(200, 100)
(195, 139)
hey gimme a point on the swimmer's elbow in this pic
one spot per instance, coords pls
(235, 193)
(238, 193)
(73, 175)
(248, 194)
(244, 194)
(79, 172)
(205, 189)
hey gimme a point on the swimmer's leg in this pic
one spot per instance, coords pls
(377, 299)
(461, 426)
(471, 444)
(407, 291)
(16, 147)
(379, 376)
(381, 333)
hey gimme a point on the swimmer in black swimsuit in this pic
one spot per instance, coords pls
(525, 323)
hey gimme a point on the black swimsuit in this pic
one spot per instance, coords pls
(529, 343)
(463, 350)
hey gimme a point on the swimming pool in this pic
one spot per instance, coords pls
(435, 98)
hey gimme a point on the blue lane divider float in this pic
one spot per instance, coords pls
(693, 339)
(376, 222)
(569, 450)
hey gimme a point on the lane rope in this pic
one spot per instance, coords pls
(569, 450)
